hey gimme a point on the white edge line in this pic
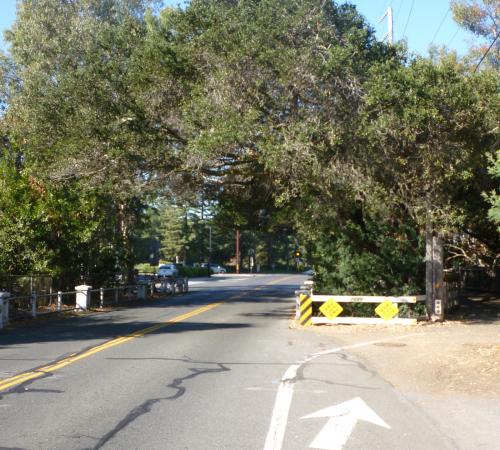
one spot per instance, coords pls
(284, 396)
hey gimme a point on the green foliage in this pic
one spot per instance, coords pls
(193, 272)
(368, 257)
(426, 133)
(174, 231)
(283, 116)
(145, 268)
(60, 230)
(478, 16)
(482, 18)
(74, 108)
(494, 198)
(75, 113)
(412, 310)
(24, 222)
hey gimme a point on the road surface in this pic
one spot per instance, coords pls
(218, 368)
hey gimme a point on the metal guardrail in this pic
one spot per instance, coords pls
(31, 306)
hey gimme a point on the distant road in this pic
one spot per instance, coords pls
(218, 368)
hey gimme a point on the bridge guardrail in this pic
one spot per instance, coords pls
(31, 306)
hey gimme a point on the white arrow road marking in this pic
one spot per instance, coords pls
(343, 419)
(277, 427)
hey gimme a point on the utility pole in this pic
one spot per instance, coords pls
(390, 29)
(210, 240)
(434, 275)
(237, 250)
(209, 245)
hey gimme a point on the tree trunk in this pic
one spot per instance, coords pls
(269, 250)
(125, 254)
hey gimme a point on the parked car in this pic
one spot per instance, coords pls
(216, 268)
(167, 270)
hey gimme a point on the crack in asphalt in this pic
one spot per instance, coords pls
(343, 356)
(146, 406)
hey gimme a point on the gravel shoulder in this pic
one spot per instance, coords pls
(451, 357)
(450, 370)
(461, 355)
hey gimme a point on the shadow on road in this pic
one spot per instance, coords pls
(120, 320)
(477, 308)
(101, 329)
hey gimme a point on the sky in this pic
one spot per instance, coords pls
(421, 22)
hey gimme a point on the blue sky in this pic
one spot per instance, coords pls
(421, 22)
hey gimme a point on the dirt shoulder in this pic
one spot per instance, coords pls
(459, 356)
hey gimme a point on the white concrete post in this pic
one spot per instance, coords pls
(152, 288)
(101, 297)
(83, 296)
(309, 284)
(116, 294)
(4, 309)
(297, 301)
(33, 305)
(59, 300)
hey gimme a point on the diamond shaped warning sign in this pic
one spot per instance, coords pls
(331, 309)
(387, 310)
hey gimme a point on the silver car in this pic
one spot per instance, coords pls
(167, 270)
(215, 268)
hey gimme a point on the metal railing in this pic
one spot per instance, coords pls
(31, 306)
(24, 306)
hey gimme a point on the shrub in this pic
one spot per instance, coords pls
(193, 272)
(145, 268)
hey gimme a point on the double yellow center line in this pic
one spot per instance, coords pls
(8, 383)
(23, 377)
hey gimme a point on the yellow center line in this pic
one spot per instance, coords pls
(8, 383)
(279, 280)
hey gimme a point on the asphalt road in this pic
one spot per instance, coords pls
(218, 368)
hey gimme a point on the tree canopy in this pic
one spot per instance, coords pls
(289, 117)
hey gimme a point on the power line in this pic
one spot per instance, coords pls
(440, 25)
(408, 19)
(453, 37)
(389, 5)
(399, 9)
(486, 52)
